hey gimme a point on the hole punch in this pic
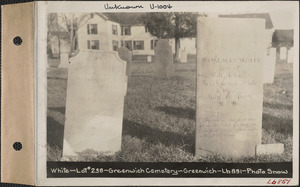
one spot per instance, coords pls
(17, 146)
(17, 40)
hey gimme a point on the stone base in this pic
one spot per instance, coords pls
(267, 149)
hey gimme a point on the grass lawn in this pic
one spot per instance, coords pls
(159, 117)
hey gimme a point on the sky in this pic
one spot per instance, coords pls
(282, 20)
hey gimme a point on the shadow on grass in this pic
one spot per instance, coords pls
(57, 78)
(188, 113)
(279, 125)
(185, 70)
(55, 133)
(278, 106)
(62, 110)
(143, 75)
(155, 136)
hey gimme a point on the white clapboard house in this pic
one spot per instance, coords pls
(108, 31)
(105, 32)
(283, 41)
(99, 32)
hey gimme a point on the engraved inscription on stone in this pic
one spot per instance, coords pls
(229, 85)
(97, 85)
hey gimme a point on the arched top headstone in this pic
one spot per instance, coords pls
(163, 43)
(97, 84)
(125, 54)
(109, 60)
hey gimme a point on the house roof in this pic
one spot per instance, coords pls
(102, 15)
(266, 16)
(125, 19)
(283, 36)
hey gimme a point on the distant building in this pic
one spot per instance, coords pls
(99, 33)
(283, 41)
(283, 38)
(58, 37)
(108, 31)
(59, 43)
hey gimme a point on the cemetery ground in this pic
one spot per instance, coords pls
(159, 116)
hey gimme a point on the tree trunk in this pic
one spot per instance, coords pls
(177, 47)
(58, 39)
(72, 35)
(72, 43)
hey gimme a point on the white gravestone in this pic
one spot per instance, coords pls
(269, 65)
(229, 85)
(283, 51)
(290, 55)
(149, 58)
(183, 55)
(64, 60)
(97, 85)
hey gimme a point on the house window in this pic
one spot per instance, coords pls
(92, 29)
(128, 44)
(126, 30)
(115, 44)
(138, 45)
(93, 44)
(146, 29)
(114, 30)
(153, 44)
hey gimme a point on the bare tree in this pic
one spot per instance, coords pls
(71, 24)
(53, 30)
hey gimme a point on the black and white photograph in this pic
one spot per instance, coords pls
(150, 93)
(157, 94)
(122, 87)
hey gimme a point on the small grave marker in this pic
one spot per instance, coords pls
(164, 59)
(183, 55)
